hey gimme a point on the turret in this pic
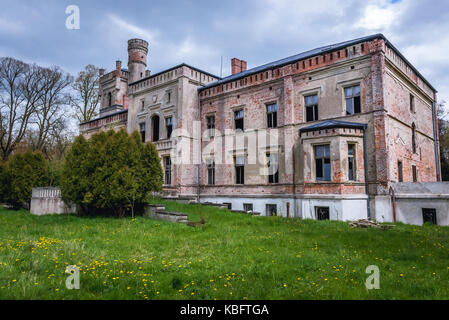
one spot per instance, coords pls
(137, 59)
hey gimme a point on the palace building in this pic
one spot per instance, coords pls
(329, 133)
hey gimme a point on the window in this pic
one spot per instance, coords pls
(352, 96)
(210, 172)
(273, 168)
(238, 118)
(109, 99)
(211, 125)
(247, 207)
(155, 126)
(413, 138)
(228, 204)
(322, 163)
(272, 115)
(271, 209)
(322, 213)
(400, 177)
(312, 107)
(168, 97)
(167, 169)
(351, 162)
(169, 126)
(412, 103)
(239, 170)
(142, 131)
(414, 174)
(142, 106)
(429, 215)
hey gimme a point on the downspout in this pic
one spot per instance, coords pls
(435, 144)
(199, 147)
(365, 165)
(393, 202)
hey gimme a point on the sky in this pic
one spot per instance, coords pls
(201, 33)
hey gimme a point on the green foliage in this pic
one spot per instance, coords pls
(23, 172)
(111, 173)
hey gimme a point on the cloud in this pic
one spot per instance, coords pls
(11, 27)
(378, 17)
(130, 30)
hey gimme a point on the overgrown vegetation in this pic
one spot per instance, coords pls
(234, 256)
(111, 173)
(21, 173)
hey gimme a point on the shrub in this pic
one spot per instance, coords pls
(23, 172)
(111, 173)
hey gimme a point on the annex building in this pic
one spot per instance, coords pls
(342, 132)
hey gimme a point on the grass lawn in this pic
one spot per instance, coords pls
(234, 257)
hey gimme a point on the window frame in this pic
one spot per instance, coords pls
(210, 125)
(167, 170)
(143, 132)
(269, 212)
(167, 126)
(314, 107)
(273, 178)
(323, 159)
(352, 97)
(239, 171)
(210, 168)
(352, 156)
(271, 115)
(242, 119)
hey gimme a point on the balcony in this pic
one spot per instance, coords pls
(161, 145)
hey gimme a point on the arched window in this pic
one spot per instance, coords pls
(413, 137)
(155, 127)
(109, 99)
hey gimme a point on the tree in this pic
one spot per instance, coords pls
(111, 173)
(443, 132)
(86, 97)
(20, 90)
(23, 172)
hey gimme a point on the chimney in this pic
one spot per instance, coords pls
(118, 68)
(101, 72)
(238, 65)
(147, 73)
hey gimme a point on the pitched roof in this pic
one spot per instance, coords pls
(311, 53)
(329, 124)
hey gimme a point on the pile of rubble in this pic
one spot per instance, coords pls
(364, 223)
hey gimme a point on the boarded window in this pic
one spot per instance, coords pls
(352, 97)
(322, 213)
(429, 215)
(272, 115)
(322, 163)
(311, 107)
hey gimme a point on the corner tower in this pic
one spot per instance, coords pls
(137, 59)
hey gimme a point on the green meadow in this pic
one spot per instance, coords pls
(234, 256)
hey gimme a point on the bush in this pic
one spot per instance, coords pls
(23, 172)
(111, 173)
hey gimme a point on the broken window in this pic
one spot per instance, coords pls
(311, 107)
(351, 162)
(429, 215)
(400, 177)
(211, 125)
(239, 170)
(273, 168)
(413, 138)
(169, 126)
(142, 130)
(247, 207)
(414, 174)
(238, 118)
(322, 213)
(322, 163)
(167, 169)
(210, 172)
(352, 96)
(228, 204)
(271, 210)
(272, 115)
